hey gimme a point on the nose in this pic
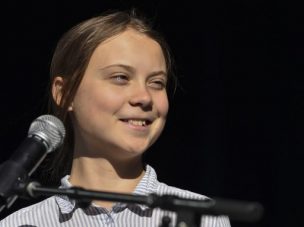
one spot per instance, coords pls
(141, 97)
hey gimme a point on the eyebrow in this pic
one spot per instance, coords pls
(131, 69)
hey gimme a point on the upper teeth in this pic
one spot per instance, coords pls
(137, 122)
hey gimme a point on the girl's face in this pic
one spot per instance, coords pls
(121, 104)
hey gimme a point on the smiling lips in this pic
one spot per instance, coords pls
(137, 122)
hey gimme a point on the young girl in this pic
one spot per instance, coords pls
(109, 77)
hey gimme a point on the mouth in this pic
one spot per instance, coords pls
(137, 122)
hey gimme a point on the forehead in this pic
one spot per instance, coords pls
(130, 47)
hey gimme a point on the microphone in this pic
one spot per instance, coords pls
(45, 135)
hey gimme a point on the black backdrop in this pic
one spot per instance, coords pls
(235, 130)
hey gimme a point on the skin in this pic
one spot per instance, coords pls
(123, 86)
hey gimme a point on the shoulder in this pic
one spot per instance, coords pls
(152, 184)
(30, 215)
(171, 190)
(206, 220)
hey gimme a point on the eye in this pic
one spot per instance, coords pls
(158, 84)
(120, 79)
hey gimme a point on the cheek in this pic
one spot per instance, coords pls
(162, 105)
(92, 100)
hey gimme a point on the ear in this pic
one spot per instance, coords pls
(57, 89)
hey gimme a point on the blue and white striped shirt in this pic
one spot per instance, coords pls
(63, 212)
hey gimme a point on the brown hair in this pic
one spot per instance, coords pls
(70, 61)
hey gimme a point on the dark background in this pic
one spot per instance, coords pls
(235, 129)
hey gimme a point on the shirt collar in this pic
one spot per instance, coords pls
(147, 185)
(65, 204)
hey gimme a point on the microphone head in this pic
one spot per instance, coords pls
(50, 129)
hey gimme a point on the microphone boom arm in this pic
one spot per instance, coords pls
(188, 210)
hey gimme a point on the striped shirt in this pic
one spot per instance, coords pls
(63, 212)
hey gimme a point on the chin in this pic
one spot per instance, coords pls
(136, 149)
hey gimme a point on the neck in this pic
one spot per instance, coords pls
(105, 175)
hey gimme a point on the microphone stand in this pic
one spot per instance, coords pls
(189, 211)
